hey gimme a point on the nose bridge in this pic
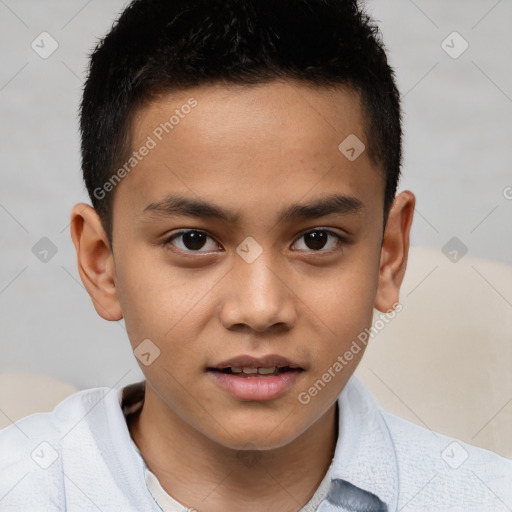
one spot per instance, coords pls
(258, 295)
(259, 277)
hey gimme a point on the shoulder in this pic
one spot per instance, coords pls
(435, 470)
(412, 468)
(31, 452)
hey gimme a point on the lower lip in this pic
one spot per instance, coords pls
(256, 388)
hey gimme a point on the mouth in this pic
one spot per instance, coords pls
(240, 371)
(256, 379)
(270, 364)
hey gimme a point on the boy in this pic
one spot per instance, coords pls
(242, 158)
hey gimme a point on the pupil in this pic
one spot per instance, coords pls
(316, 239)
(194, 240)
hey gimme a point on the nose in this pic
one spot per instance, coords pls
(258, 297)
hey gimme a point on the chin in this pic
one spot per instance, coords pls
(258, 436)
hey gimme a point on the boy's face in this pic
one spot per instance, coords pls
(261, 284)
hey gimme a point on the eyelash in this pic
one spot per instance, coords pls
(168, 240)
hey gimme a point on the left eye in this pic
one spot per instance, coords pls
(316, 239)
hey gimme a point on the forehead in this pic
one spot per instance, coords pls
(249, 146)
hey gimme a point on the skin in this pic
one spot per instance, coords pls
(252, 150)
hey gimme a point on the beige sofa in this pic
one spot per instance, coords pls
(445, 360)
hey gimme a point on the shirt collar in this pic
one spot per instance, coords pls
(364, 469)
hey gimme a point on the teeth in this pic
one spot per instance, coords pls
(260, 371)
(249, 371)
(266, 371)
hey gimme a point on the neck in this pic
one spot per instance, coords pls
(202, 474)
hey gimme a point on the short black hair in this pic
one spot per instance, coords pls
(157, 46)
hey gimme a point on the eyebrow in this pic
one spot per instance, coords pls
(334, 204)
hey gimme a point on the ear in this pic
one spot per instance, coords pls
(394, 251)
(95, 261)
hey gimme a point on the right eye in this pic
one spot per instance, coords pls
(190, 241)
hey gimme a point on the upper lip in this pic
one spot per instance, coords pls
(246, 361)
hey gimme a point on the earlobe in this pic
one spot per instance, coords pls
(394, 251)
(95, 261)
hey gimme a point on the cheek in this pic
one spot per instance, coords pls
(153, 296)
(165, 306)
(344, 299)
(342, 308)
(337, 348)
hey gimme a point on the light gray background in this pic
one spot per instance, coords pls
(458, 159)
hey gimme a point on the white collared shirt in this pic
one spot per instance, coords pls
(81, 457)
